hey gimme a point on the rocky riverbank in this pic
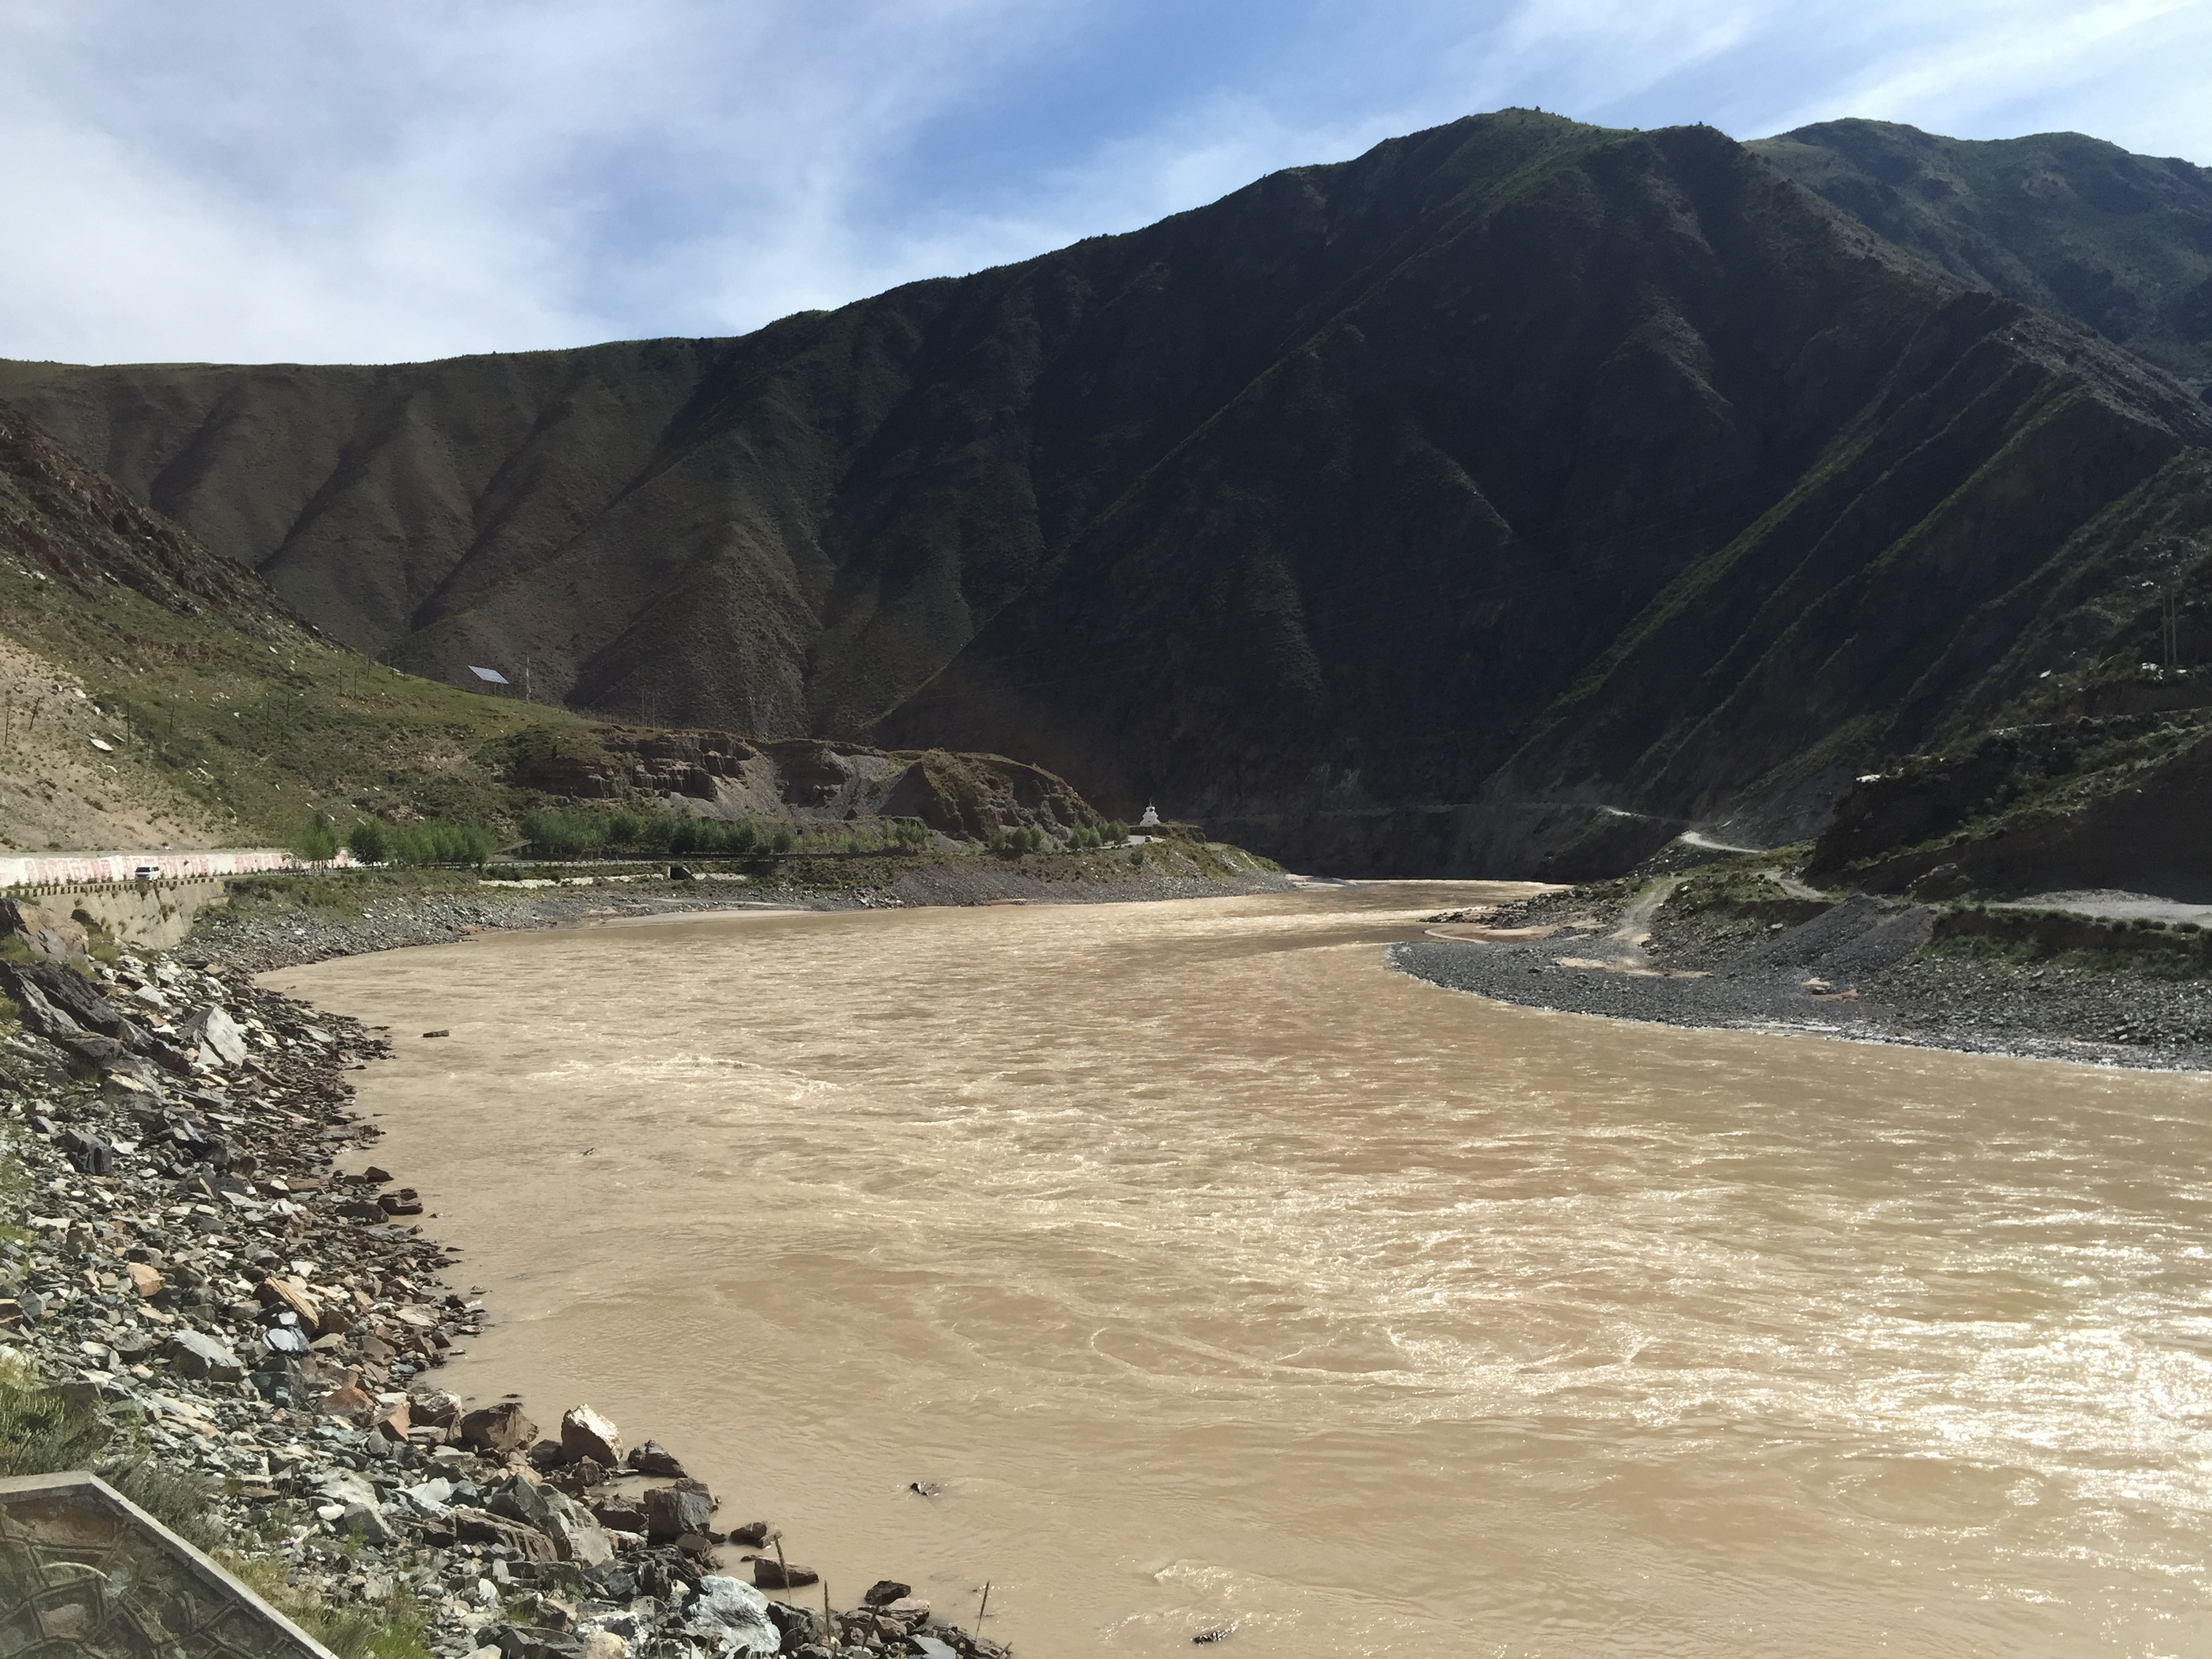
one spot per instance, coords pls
(1774, 955)
(186, 1258)
(279, 922)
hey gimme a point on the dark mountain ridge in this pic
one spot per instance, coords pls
(1497, 502)
(2122, 243)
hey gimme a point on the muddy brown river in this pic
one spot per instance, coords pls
(1220, 1278)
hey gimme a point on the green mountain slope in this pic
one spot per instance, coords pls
(1654, 487)
(1496, 501)
(2120, 242)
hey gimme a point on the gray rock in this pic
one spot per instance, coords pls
(655, 1459)
(585, 1433)
(217, 1033)
(88, 1154)
(671, 1512)
(931, 1647)
(41, 1015)
(204, 1357)
(367, 1521)
(481, 1527)
(582, 1540)
(576, 1536)
(734, 1616)
(345, 1488)
(522, 1500)
(433, 1498)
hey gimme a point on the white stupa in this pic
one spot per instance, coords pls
(1151, 818)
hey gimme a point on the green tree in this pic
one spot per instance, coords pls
(317, 839)
(370, 840)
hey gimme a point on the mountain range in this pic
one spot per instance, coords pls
(1502, 502)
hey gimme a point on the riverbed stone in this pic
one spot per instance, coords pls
(735, 1614)
(500, 1429)
(292, 1295)
(655, 1459)
(771, 1574)
(219, 1037)
(204, 1357)
(585, 1433)
(672, 1511)
(367, 1523)
(482, 1527)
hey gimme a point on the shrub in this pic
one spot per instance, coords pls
(42, 1433)
(351, 1633)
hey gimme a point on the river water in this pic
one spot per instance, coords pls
(1222, 1278)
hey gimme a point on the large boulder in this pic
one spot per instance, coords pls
(39, 1015)
(499, 1430)
(73, 994)
(671, 1512)
(576, 1536)
(520, 1498)
(580, 1538)
(585, 1433)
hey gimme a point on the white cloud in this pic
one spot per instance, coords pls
(235, 180)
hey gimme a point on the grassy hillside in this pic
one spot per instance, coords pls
(2122, 243)
(227, 720)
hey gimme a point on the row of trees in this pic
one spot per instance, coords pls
(374, 841)
(584, 833)
(570, 834)
(1031, 838)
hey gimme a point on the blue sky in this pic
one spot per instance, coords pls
(323, 182)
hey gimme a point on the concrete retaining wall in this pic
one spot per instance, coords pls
(143, 915)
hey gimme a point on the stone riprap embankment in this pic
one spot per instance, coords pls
(1859, 969)
(193, 1259)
